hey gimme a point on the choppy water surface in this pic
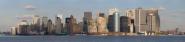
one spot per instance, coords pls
(92, 39)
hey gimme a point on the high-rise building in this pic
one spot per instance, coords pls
(44, 25)
(131, 19)
(23, 27)
(153, 20)
(140, 22)
(102, 23)
(58, 25)
(87, 17)
(124, 24)
(13, 30)
(80, 25)
(114, 22)
(145, 20)
(50, 29)
(116, 18)
(110, 24)
(36, 23)
(72, 26)
(92, 28)
(68, 24)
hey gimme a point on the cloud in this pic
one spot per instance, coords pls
(162, 8)
(29, 7)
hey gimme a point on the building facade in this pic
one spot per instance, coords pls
(124, 24)
(87, 17)
(102, 23)
(144, 20)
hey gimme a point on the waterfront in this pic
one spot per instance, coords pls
(92, 38)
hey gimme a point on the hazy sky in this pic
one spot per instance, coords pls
(171, 11)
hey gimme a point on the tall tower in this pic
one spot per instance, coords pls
(36, 22)
(13, 31)
(140, 20)
(110, 24)
(153, 20)
(50, 29)
(87, 17)
(113, 20)
(23, 27)
(71, 25)
(116, 18)
(124, 24)
(44, 26)
(102, 23)
(131, 18)
(144, 20)
(92, 28)
(58, 25)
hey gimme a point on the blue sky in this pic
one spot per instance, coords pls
(172, 12)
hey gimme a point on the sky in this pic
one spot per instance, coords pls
(171, 12)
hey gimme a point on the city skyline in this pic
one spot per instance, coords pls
(171, 16)
(139, 21)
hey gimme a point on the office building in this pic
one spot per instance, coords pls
(116, 18)
(124, 24)
(131, 19)
(50, 29)
(44, 27)
(153, 20)
(36, 24)
(58, 25)
(23, 28)
(13, 30)
(72, 26)
(92, 28)
(102, 23)
(145, 20)
(87, 17)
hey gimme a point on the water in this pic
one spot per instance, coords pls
(92, 39)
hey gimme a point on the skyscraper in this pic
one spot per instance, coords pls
(153, 20)
(13, 30)
(36, 22)
(68, 24)
(58, 25)
(110, 24)
(50, 29)
(114, 22)
(140, 20)
(102, 23)
(23, 27)
(124, 24)
(144, 20)
(92, 27)
(44, 26)
(72, 26)
(87, 17)
(131, 19)
(116, 18)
